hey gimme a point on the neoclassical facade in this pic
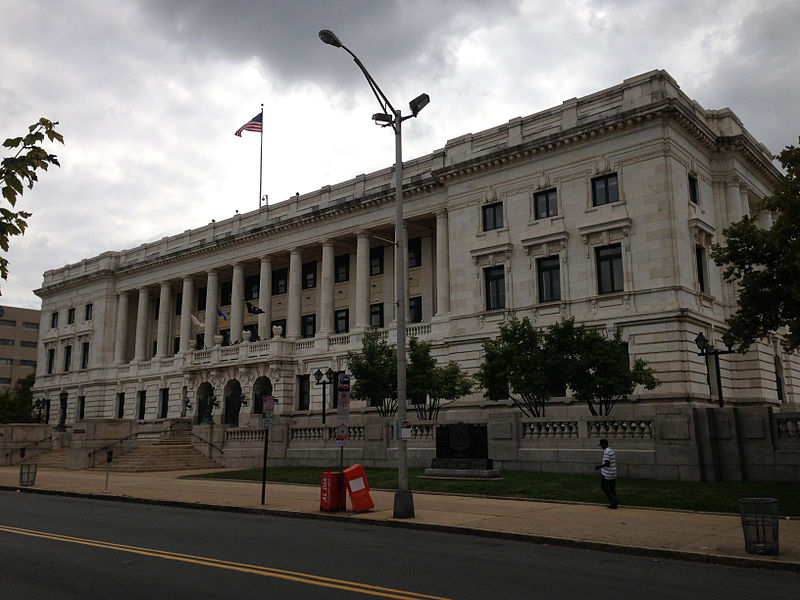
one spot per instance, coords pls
(603, 208)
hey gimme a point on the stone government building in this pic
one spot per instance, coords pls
(603, 208)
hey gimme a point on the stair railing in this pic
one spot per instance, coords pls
(210, 443)
(112, 444)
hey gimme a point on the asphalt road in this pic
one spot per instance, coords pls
(55, 547)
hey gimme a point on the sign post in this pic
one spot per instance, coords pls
(342, 430)
(266, 422)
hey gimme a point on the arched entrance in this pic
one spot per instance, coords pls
(262, 387)
(233, 402)
(205, 403)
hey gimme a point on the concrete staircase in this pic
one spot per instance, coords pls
(172, 454)
(52, 459)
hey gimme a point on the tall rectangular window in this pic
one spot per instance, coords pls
(609, 269)
(67, 357)
(693, 192)
(309, 276)
(415, 309)
(225, 291)
(492, 216)
(700, 260)
(495, 287)
(81, 408)
(178, 304)
(70, 316)
(201, 299)
(164, 407)
(54, 320)
(549, 278)
(280, 281)
(142, 405)
(341, 268)
(85, 355)
(545, 203)
(51, 360)
(414, 252)
(303, 392)
(308, 325)
(376, 315)
(87, 312)
(176, 345)
(376, 261)
(605, 190)
(121, 405)
(341, 320)
(252, 285)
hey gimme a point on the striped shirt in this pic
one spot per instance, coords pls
(609, 472)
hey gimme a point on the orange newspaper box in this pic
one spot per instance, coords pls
(329, 492)
(358, 488)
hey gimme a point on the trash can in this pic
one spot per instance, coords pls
(329, 497)
(760, 525)
(27, 474)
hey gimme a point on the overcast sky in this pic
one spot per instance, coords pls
(149, 93)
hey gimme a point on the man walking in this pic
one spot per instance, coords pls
(608, 473)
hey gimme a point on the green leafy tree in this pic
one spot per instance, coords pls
(19, 171)
(374, 370)
(764, 263)
(16, 404)
(517, 365)
(598, 368)
(430, 387)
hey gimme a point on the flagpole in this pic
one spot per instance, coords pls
(261, 158)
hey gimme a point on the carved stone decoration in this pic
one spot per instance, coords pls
(602, 165)
(218, 339)
(277, 331)
(246, 335)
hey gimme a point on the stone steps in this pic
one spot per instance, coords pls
(52, 459)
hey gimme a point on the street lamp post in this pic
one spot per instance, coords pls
(389, 117)
(705, 350)
(329, 374)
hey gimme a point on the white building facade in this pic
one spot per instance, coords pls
(603, 209)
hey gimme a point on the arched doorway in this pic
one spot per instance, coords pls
(205, 403)
(262, 387)
(233, 402)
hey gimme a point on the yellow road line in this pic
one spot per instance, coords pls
(295, 576)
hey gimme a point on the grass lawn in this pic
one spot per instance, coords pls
(683, 495)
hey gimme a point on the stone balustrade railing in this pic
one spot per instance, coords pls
(788, 425)
(549, 429)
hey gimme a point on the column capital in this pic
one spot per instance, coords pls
(327, 243)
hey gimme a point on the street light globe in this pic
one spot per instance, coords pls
(328, 37)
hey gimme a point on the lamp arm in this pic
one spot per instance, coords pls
(379, 95)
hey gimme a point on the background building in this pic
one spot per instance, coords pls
(603, 208)
(19, 333)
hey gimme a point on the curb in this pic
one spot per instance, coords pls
(644, 551)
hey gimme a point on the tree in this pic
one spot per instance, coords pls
(430, 386)
(19, 171)
(598, 368)
(16, 404)
(764, 263)
(517, 365)
(374, 370)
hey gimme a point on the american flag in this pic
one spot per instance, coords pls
(253, 124)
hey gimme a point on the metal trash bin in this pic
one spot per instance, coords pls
(760, 525)
(27, 474)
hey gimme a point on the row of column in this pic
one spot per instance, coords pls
(293, 320)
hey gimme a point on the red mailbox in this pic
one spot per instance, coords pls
(358, 488)
(329, 492)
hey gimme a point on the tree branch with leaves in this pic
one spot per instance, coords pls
(374, 371)
(430, 386)
(20, 171)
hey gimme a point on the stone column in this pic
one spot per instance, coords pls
(442, 264)
(237, 303)
(733, 200)
(265, 299)
(164, 318)
(187, 303)
(212, 322)
(362, 281)
(142, 315)
(765, 219)
(405, 271)
(326, 289)
(295, 293)
(121, 339)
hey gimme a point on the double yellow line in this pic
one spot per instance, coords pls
(297, 577)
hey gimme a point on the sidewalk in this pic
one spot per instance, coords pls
(707, 537)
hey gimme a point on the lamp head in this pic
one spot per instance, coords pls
(418, 103)
(701, 341)
(330, 374)
(382, 118)
(328, 37)
(729, 339)
(318, 375)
